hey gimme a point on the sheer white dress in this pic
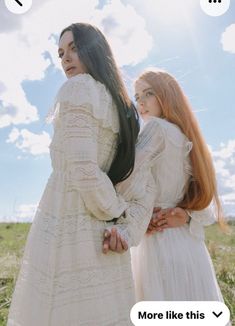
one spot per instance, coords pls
(65, 279)
(174, 264)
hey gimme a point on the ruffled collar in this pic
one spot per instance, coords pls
(53, 110)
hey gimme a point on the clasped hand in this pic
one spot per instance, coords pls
(113, 241)
(161, 220)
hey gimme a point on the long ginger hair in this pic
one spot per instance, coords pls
(201, 189)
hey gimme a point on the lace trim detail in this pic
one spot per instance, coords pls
(139, 212)
(199, 219)
(80, 135)
(84, 91)
(151, 142)
(187, 162)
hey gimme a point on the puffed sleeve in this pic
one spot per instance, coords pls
(140, 187)
(81, 118)
(199, 219)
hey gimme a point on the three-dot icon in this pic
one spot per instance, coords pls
(215, 7)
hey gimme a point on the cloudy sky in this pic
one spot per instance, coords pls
(175, 35)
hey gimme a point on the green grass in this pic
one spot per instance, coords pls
(222, 251)
(12, 240)
(13, 236)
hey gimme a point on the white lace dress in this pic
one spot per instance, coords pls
(174, 264)
(65, 279)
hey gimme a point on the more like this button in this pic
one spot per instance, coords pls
(18, 6)
(180, 313)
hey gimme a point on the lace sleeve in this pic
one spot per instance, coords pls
(137, 215)
(140, 187)
(199, 219)
(80, 127)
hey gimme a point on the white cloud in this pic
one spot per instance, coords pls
(228, 201)
(22, 55)
(224, 160)
(164, 14)
(13, 136)
(229, 198)
(220, 168)
(226, 151)
(28, 142)
(23, 213)
(126, 32)
(26, 212)
(228, 39)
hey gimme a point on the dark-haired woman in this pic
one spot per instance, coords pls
(65, 279)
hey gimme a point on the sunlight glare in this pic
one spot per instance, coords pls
(172, 12)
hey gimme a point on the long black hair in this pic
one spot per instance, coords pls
(96, 55)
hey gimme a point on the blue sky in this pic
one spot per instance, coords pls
(177, 36)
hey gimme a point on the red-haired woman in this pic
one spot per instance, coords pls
(174, 264)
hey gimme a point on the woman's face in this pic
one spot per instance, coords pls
(69, 58)
(147, 103)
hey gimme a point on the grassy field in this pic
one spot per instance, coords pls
(13, 236)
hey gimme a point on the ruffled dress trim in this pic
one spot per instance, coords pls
(84, 91)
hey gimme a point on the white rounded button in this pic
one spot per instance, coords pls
(18, 6)
(215, 7)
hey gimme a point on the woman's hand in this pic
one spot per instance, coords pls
(167, 218)
(114, 242)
